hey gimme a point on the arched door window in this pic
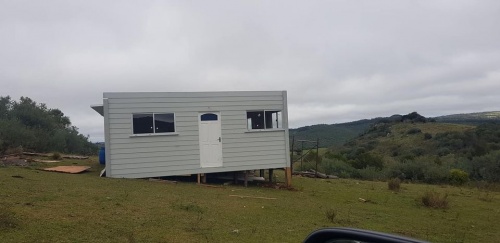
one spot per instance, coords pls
(209, 117)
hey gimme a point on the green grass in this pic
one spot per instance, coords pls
(39, 206)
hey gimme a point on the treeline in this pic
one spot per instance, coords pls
(31, 126)
(401, 150)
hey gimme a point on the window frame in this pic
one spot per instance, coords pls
(264, 118)
(154, 133)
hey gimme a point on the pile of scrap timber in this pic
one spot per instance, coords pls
(314, 174)
(13, 160)
(63, 156)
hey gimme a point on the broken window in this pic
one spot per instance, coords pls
(144, 123)
(264, 120)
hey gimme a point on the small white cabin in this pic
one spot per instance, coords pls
(154, 134)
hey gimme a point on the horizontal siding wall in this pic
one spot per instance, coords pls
(161, 155)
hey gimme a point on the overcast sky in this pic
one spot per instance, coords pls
(339, 60)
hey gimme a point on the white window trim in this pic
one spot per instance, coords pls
(266, 130)
(154, 134)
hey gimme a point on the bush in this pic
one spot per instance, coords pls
(56, 156)
(339, 168)
(418, 152)
(330, 214)
(443, 151)
(486, 167)
(458, 177)
(366, 159)
(421, 169)
(16, 150)
(427, 136)
(432, 199)
(414, 130)
(371, 173)
(435, 174)
(394, 184)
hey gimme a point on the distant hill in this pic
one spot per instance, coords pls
(333, 134)
(420, 151)
(476, 118)
(338, 134)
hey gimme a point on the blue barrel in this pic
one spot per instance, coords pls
(102, 156)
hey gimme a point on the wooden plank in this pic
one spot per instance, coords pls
(163, 181)
(68, 169)
(241, 196)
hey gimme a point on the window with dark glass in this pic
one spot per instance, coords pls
(209, 117)
(164, 123)
(264, 120)
(153, 123)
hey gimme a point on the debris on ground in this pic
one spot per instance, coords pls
(13, 161)
(72, 169)
(164, 181)
(240, 196)
(49, 155)
(314, 174)
(46, 161)
(75, 157)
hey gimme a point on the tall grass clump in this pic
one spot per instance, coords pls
(432, 199)
(394, 184)
(330, 214)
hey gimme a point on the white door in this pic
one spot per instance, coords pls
(210, 139)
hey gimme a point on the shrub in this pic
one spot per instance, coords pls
(486, 167)
(394, 184)
(371, 173)
(56, 156)
(366, 159)
(418, 152)
(443, 151)
(458, 177)
(414, 130)
(432, 199)
(16, 150)
(331, 214)
(427, 136)
(339, 168)
(421, 169)
(435, 174)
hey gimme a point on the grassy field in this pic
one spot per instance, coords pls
(39, 206)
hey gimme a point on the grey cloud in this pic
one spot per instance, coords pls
(339, 60)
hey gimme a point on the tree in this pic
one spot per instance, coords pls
(35, 127)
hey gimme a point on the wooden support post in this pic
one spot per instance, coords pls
(261, 172)
(199, 178)
(292, 152)
(246, 178)
(288, 176)
(204, 178)
(271, 175)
